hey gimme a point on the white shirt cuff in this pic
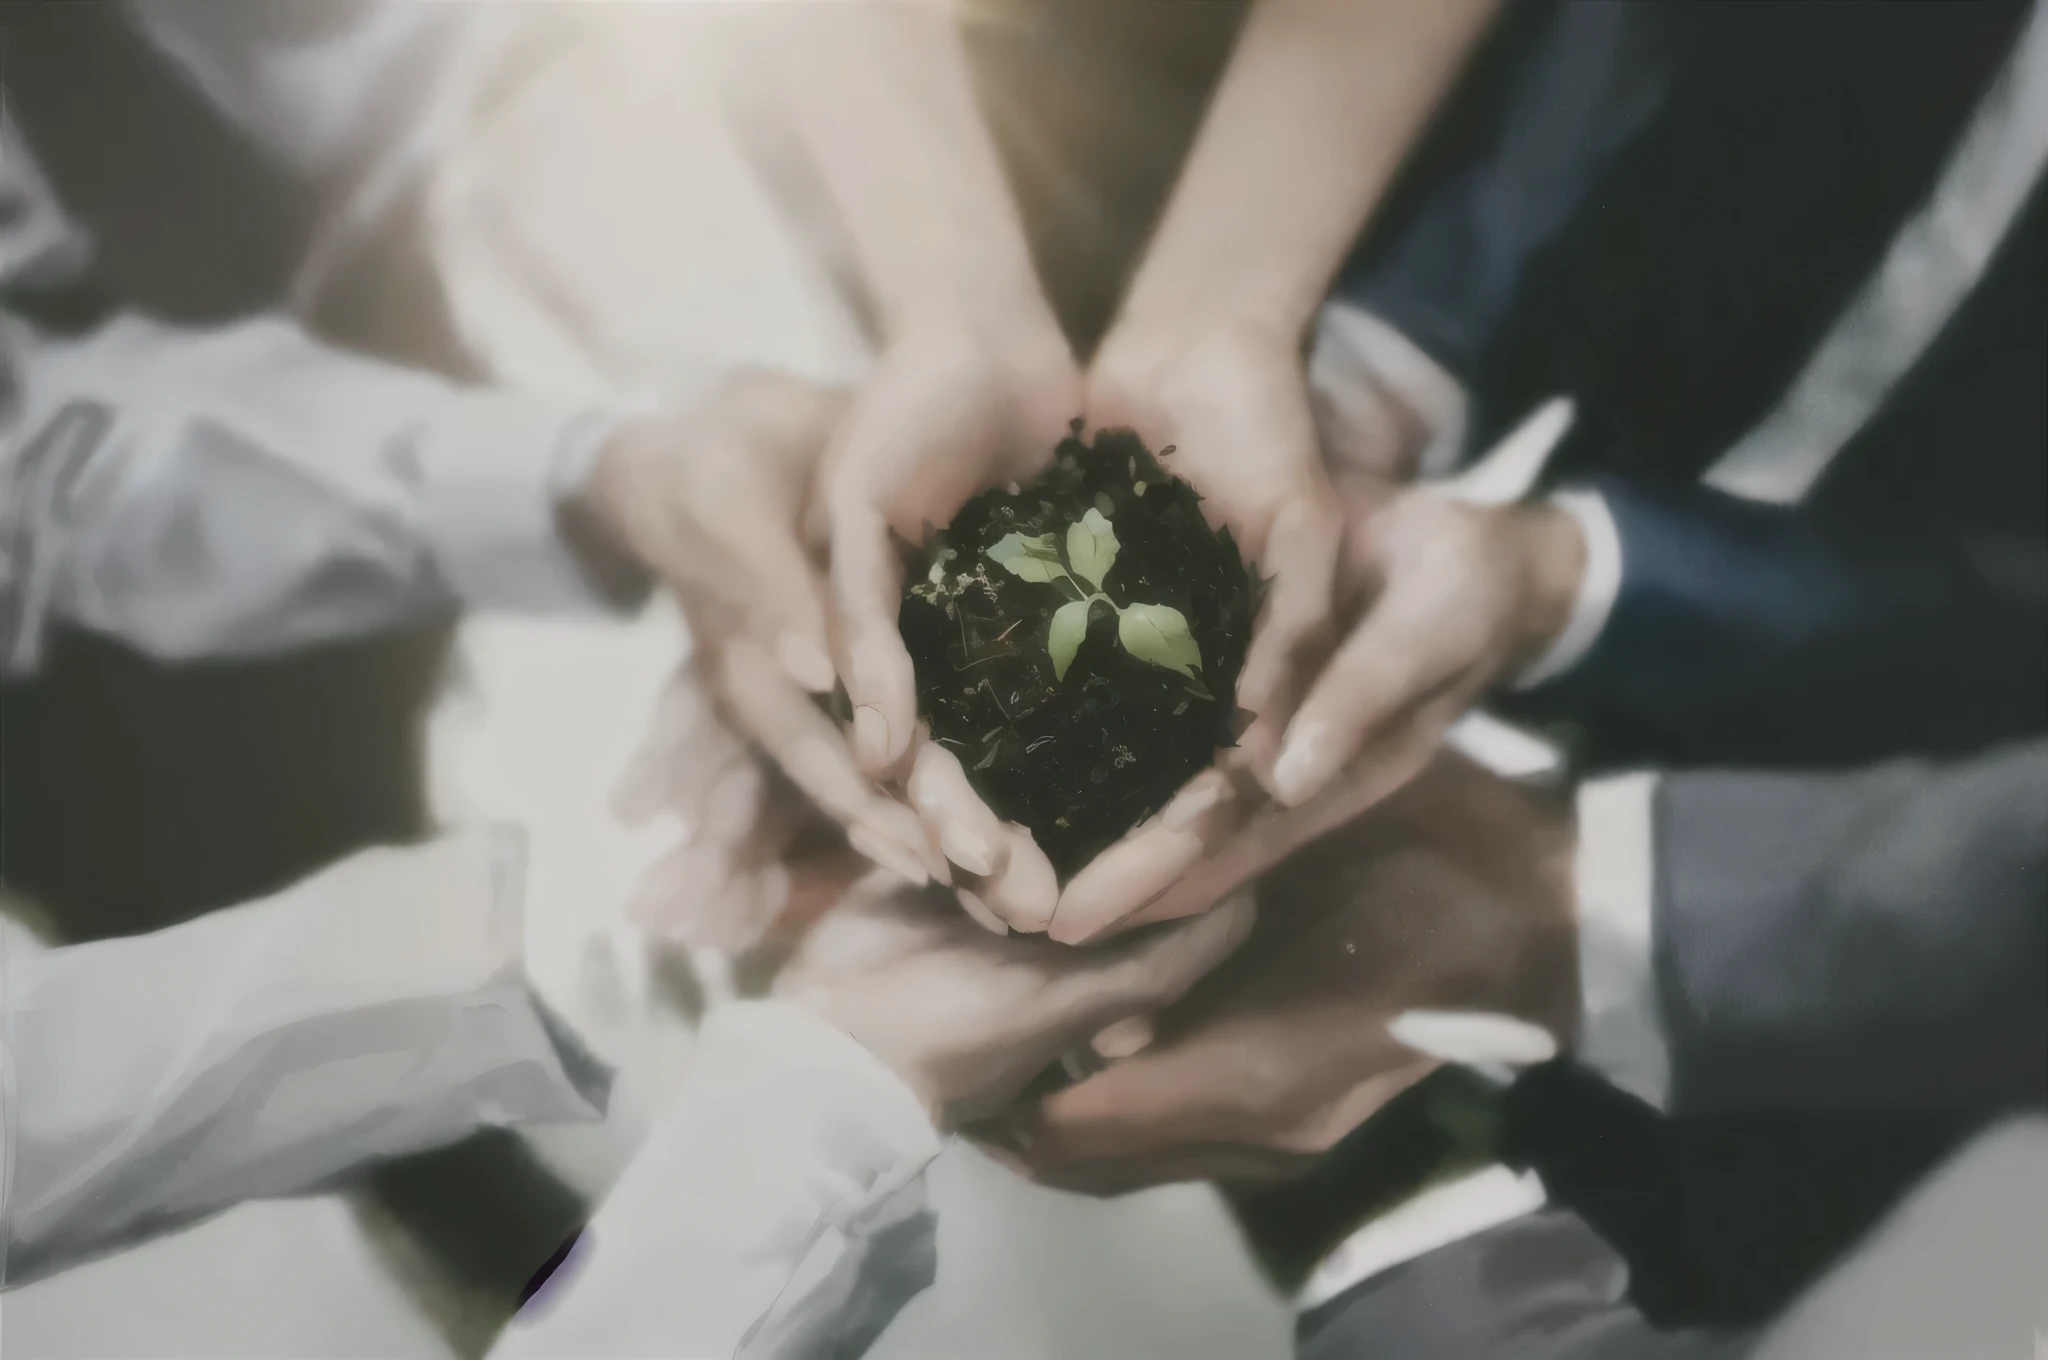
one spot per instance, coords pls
(779, 1203)
(1356, 361)
(1620, 1033)
(1599, 586)
(501, 467)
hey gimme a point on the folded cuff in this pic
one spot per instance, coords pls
(1621, 1034)
(1599, 587)
(1356, 357)
(496, 507)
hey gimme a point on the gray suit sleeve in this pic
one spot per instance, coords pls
(1854, 941)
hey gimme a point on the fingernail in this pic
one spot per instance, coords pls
(874, 668)
(966, 849)
(871, 736)
(805, 661)
(890, 857)
(1131, 1035)
(978, 909)
(1295, 773)
(895, 824)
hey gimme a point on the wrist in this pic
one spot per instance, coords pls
(982, 300)
(1550, 559)
(593, 520)
(1245, 319)
(1025, 354)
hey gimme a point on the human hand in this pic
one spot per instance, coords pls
(1447, 598)
(1456, 598)
(947, 413)
(1455, 895)
(767, 794)
(714, 502)
(1232, 402)
(968, 1019)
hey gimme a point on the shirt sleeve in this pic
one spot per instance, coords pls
(1599, 586)
(245, 490)
(777, 1212)
(1621, 1034)
(260, 1051)
(1359, 366)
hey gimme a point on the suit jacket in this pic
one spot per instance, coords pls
(1853, 974)
(1870, 940)
(1852, 970)
(1662, 211)
(1744, 632)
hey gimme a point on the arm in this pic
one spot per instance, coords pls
(1721, 629)
(1315, 114)
(246, 489)
(263, 1050)
(1880, 940)
(778, 1210)
(1414, 311)
(882, 97)
(975, 383)
(1830, 978)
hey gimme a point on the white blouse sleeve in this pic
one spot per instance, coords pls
(375, 1009)
(777, 1212)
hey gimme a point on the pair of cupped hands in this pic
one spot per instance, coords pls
(773, 510)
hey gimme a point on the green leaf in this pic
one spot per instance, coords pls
(1091, 547)
(1159, 634)
(1069, 626)
(1035, 558)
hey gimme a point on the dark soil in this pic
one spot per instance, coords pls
(1079, 760)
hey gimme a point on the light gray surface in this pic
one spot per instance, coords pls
(292, 1278)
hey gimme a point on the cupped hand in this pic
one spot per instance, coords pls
(968, 1019)
(1232, 402)
(1447, 600)
(1446, 911)
(1458, 598)
(1233, 405)
(947, 413)
(714, 500)
(766, 793)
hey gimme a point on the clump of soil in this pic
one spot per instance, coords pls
(1082, 757)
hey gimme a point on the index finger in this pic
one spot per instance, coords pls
(806, 745)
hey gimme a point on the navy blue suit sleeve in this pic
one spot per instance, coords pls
(1571, 95)
(1746, 632)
